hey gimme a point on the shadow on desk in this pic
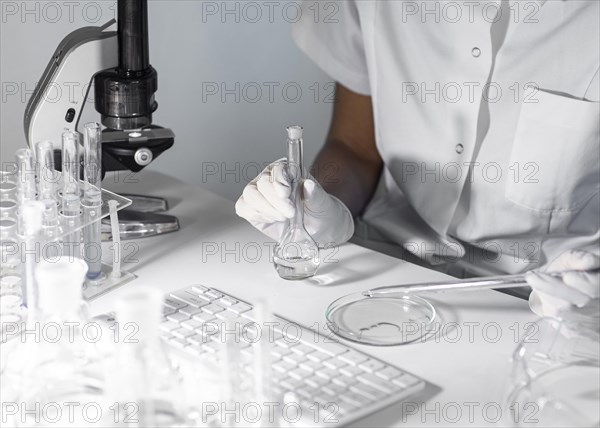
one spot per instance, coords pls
(351, 269)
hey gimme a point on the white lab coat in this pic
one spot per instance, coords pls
(493, 181)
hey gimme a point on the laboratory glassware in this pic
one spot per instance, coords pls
(398, 314)
(484, 283)
(554, 374)
(26, 188)
(31, 215)
(8, 208)
(11, 296)
(296, 255)
(60, 366)
(71, 197)
(142, 372)
(48, 179)
(8, 184)
(10, 247)
(92, 200)
(381, 320)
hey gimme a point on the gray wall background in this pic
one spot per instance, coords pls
(240, 46)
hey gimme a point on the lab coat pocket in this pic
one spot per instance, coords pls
(554, 163)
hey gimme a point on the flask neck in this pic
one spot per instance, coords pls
(296, 175)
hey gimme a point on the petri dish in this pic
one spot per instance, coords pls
(381, 320)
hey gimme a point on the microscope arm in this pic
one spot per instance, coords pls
(61, 94)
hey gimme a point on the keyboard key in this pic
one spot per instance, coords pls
(344, 381)
(168, 326)
(334, 363)
(327, 373)
(294, 359)
(282, 343)
(371, 365)
(168, 311)
(279, 353)
(334, 390)
(240, 308)
(174, 303)
(178, 317)
(299, 374)
(230, 316)
(307, 393)
(310, 366)
(351, 371)
(166, 336)
(376, 382)
(227, 301)
(302, 349)
(197, 339)
(204, 317)
(213, 295)
(353, 398)
(213, 309)
(200, 289)
(284, 366)
(330, 348)
(209, 329)
(318, 356)
(191, 324)
(188, 298)
(190, 311)
(388, 373)
(182, 333)
(406, 381)
(353, 358)
(368, 391)
(316, 382)
(291, 384)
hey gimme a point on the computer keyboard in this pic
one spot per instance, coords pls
(307, 365)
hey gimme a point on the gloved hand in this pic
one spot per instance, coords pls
(574, 290)
(266, 205)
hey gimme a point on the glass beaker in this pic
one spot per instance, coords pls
(57, 365)
(555, 375)
(296, 255)
(141, 377)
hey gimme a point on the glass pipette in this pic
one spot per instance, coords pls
(495, 282)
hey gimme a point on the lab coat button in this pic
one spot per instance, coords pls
(459, 148)
(476, 52)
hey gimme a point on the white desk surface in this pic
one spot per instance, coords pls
(466, 371)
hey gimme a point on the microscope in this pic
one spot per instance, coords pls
(117, 65)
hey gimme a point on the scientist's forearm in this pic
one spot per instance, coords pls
(349, 165)
(346, 175)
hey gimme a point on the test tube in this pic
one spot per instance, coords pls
(25, 176)
(47, 178)
(8, 183)
(46, 173)
(92, 199)
(71, 199)
(26, 190)
(32, 212)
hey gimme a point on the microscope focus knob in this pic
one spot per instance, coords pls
(143, 156)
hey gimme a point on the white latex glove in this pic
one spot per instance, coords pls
(575, 289)
(266, 205)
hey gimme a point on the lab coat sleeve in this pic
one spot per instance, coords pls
(334, 40)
